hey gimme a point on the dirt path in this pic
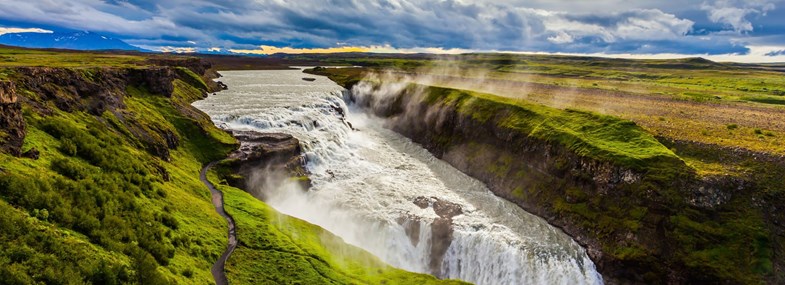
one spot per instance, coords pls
(218, 201)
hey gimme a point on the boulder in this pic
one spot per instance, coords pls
(271, 152)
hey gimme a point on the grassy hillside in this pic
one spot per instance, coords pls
(96, 206)
(587, 134)
(278, 249)
(114, 195)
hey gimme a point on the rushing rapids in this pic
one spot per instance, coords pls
(389, 196)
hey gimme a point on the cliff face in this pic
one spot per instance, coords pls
(642, 219)
(95, 91)
(267, 153)
(12, 124)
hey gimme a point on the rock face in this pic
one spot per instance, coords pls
(12, 124)
(157, 80)
(629, 221)
(441, 229)
(268, 152)
(95, 91)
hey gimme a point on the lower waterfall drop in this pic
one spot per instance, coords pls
(383, 193)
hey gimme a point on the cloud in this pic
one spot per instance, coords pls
(516, 25)
(6, 30)
(735, 13)
(274, 50)
(776, 53)
(635, 25)
(177, 49)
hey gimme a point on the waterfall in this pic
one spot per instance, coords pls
(381, 192)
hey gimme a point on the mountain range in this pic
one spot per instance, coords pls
(82, 40)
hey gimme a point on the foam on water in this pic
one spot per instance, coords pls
(366, 179)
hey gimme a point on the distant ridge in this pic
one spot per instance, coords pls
(66, 40)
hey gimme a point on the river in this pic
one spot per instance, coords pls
(366, 180)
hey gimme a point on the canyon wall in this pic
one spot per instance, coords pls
(643, 214)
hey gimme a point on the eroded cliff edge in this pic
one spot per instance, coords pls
(642, 213)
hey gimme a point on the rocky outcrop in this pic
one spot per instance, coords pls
(12, 124)
(156, 80)
(99, 90)
(441, 229)
(269, 153)
(193, 64)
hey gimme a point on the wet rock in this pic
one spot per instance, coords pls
(422, 202)
(221, 85)
(273, 152)
(411, 226)
(441, 238)
(441, 229)
(446, 210)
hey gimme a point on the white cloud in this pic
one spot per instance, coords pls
(561, 38)
(735, 13)
(177, 49)
(533, 25)
(4, 30)
(639, 25)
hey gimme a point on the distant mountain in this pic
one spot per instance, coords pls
(66, 40)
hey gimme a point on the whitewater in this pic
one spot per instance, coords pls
(381, 192)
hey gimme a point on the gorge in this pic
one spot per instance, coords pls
(382, 192)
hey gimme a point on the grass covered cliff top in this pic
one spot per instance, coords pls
(111, 191)
(587, 134)
(733, 107)
(693, 99)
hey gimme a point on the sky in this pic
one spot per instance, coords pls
(740, 30)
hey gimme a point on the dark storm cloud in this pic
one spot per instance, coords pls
(711, 27)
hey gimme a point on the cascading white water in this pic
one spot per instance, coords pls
(366, 180)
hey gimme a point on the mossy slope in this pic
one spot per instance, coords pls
(278, 249)
(96, 185)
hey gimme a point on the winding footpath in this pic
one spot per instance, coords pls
(218, 201)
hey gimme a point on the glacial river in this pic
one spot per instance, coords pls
(366, 180)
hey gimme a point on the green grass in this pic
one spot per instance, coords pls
(115, 198)
(766, 100)
(112, 215)
(278, 249)
(16, 57)
(676, 90)
(601, 137)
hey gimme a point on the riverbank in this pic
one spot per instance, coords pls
(644, 215)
